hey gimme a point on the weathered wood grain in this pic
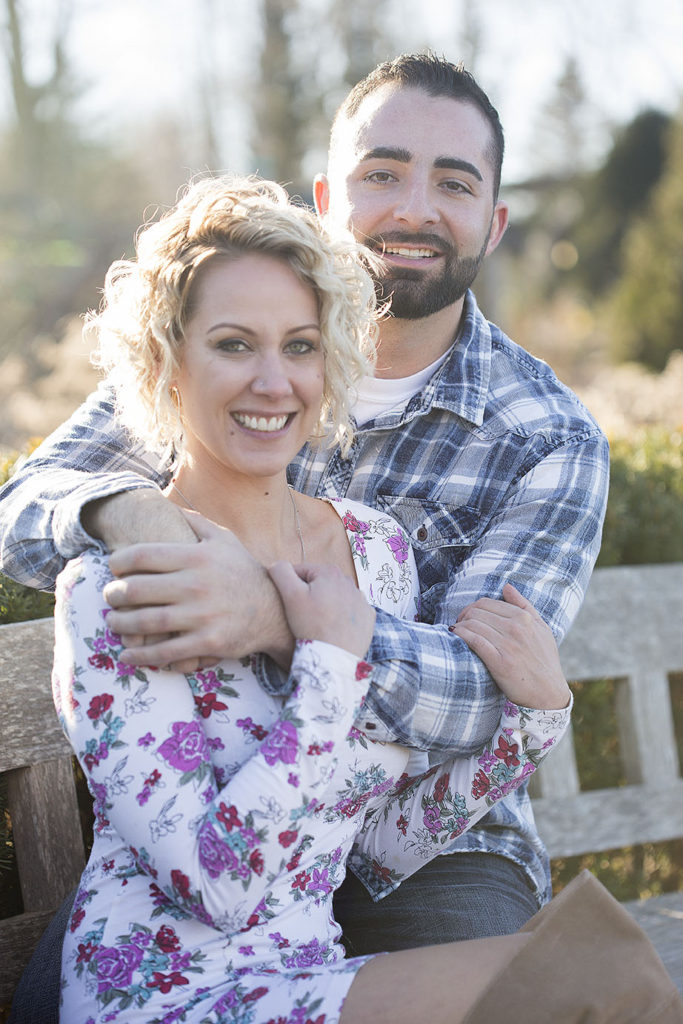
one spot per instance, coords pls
(30, 731)
(662, 918)
(18, 938)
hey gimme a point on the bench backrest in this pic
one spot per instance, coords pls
(41, 794)
(630, 629)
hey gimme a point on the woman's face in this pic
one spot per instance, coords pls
(252, 373)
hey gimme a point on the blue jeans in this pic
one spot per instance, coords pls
(464, 896)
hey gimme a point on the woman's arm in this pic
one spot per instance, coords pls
(430, 810)
(213, 849)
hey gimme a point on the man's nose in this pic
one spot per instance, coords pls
(416, 204)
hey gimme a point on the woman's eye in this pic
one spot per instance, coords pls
(232, 345)
(300, 347)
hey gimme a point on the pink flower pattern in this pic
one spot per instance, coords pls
(217, 806)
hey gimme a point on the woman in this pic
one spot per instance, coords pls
(224, 816)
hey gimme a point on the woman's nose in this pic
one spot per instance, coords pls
(272, 379)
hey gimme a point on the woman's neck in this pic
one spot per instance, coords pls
(261, 511)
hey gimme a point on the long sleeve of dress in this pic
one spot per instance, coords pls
(428, 811)
(140, 738)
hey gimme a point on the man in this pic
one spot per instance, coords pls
(492, 466)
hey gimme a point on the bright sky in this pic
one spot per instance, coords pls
(140, 57)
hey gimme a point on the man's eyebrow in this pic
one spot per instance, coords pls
(452, 163)
(403, 156)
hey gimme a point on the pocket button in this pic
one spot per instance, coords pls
(422, 533)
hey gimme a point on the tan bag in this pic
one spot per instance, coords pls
(588, 962)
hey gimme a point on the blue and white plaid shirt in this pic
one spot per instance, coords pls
(496, 472)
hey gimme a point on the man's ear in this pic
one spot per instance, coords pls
(321, 194)
(499, 223)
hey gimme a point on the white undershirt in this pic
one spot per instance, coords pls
(381, 394)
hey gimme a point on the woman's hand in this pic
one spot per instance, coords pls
(517, 647)
(322, 603)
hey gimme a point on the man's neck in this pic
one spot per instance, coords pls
(407, 346)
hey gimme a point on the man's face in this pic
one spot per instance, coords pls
(412, 176)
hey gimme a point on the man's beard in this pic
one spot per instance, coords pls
(414, 294)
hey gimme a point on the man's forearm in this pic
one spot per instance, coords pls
(429, 690)
(136, 517)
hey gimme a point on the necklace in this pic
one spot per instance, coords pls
(297, 521)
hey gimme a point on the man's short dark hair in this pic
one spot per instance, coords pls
(437, 77)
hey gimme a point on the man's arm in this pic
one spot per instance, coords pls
(429, 690)
(88, 458)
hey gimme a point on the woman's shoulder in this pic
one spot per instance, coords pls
(382, 555)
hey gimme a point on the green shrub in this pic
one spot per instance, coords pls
(644, 521)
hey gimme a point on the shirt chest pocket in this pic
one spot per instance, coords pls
(441, 534)
(436, 529)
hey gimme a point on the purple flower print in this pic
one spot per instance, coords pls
(431, 819)
(207, 680)
(115, 966)
(398, 546)
(214, 854)
(306, 956)
(511, 710)
(487, 760)
(280, 744)
(321, 880)
(186, 749)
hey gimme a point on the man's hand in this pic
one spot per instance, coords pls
(210, 600)
(517, 647)
(322, 603)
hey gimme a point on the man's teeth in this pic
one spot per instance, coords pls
(268, 425)
(415, 254)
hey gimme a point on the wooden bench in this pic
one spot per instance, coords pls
(41, 793)
(630, 628)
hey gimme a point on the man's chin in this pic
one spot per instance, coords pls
(411, 304)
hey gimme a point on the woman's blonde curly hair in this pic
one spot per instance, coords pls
(147, 302)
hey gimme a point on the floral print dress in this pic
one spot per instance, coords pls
(224, 816)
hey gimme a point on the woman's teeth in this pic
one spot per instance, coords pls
(266, 424)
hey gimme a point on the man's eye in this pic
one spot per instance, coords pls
(455, 186)
(379, 177)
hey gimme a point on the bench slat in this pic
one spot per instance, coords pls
(607, 818)
(19, 936)
(30, 729)
(47, 832)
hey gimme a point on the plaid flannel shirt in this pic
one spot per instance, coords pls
(496, 472)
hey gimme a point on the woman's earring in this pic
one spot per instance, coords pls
(175, 395)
